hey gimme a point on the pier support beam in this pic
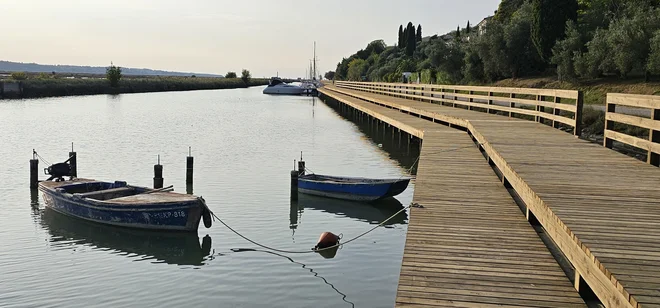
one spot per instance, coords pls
(158, 175)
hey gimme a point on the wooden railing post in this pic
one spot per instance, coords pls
(490, 101)
(470, 100)
(454, 98)
(537, 117)
(442, 96)
(512, 104)
(577, 130)
(556, 111)
(610, 108)
(654, 136)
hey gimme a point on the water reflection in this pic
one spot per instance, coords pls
(304, 266)
(170, 247)
(372, 213)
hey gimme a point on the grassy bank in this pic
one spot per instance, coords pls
(65, 87)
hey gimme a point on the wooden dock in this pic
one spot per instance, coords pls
(469, 247)
(455, 251)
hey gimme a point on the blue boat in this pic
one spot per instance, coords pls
(119, 204)
(351, 188)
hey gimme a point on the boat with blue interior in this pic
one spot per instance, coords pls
(351, 188)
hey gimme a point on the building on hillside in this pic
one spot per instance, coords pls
(481, 26)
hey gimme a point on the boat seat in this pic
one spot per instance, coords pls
(107, 193)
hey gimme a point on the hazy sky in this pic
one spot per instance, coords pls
(215, 36)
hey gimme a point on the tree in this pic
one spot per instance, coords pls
(410, 39)
(653, 65)
(520, 59)
(402, 42)
(418, 37)
(19, 76)
(113, 74)
(356, 69)
(506, 10)
(563, 54)
(245, 76)
(467, 29)
(330, 75)
(549, 23)
(231, 75)
(458, 32)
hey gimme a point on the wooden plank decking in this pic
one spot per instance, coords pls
(600, 207)
(470, 245)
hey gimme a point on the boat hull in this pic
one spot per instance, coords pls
(290, 90)
(176, 216)
(354, 189)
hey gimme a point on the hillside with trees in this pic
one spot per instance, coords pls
(570, 40)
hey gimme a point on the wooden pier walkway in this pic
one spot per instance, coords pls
(470, 245)
(600, 207)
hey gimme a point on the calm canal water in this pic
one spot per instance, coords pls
(244, 144)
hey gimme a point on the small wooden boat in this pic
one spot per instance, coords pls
(117, 203)
(351, 188)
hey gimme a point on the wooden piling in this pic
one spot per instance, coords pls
(294, 184)
(34, 172)
(301, 166)
(73, 162)
(189, 167)
(158, 175)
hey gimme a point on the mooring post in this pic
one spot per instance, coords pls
(189, 167)
(301, 165)
(73, 162)
(158, 175)
(34, 170)
(294, 182)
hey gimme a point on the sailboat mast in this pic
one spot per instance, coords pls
(314, 59)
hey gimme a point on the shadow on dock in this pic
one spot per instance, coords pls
(170, 247)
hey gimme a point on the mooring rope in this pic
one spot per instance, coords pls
(41, 158)
(301, 251)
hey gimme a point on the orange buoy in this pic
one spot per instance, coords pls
(326, 240)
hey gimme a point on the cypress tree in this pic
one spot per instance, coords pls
(404, 39)
(419, 33)
(467, 29)
(458, 32)
(401, 41)
(549, 23)
(410, 39)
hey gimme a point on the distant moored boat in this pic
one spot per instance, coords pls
(277, 86)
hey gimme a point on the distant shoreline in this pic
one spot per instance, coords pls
(37, 88)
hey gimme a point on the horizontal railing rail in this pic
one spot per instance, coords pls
(551, 105)
(652, 123)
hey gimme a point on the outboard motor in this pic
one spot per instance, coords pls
(58, 171)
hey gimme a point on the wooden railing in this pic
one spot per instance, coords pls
(652, 123)
(554, 107)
